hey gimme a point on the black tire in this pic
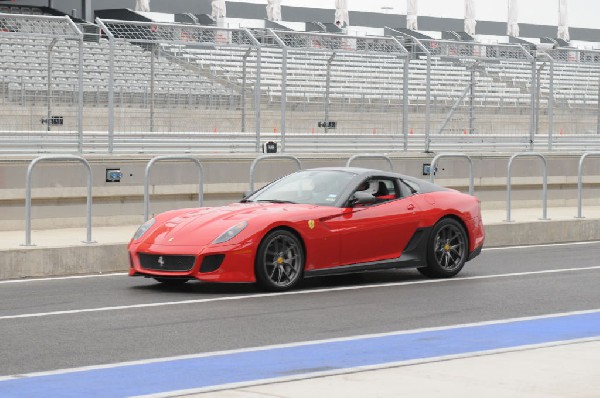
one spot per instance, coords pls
(279, 263)
(172, 281)
(447, 249)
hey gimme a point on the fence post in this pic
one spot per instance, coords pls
(370, 156)
(453, 155)
(269, 157)
(171, 157)
(545, 184)
(28, 193)
(580, 182)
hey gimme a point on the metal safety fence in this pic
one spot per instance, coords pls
(146, 87)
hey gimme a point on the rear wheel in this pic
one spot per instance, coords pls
(172, 281)
(279, 262)
(447, 250)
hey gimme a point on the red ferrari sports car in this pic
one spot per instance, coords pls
(314, 222)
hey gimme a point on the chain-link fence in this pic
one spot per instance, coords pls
(40, 82)
(569, 109)
(164, 87)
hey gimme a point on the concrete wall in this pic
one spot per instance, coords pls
(59, 187)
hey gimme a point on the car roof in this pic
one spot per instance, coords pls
(361, 173)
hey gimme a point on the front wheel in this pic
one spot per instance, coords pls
(447, 250)
(279, 262)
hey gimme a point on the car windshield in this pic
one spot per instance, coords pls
(317, 187)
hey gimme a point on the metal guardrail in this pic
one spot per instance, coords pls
(269, 157)
(544, 189)
(580, 182)
(171, 157)
(454, 155)
(33, 163)
(370, 156)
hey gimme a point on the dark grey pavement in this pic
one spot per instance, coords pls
(196, 318)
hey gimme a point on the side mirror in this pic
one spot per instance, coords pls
(361, 198)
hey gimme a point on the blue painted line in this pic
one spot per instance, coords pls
(238, 367)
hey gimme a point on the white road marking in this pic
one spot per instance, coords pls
(541, 245)
(62, 278)
(312, 342)
(293, 293)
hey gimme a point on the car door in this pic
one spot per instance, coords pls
(375, 232)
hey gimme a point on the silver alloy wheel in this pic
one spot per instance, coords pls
(450, 247)
(282, 260)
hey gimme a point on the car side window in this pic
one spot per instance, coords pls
(383, 189)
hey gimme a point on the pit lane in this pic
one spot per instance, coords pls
(66, 323)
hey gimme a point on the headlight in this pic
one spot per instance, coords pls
(231, 232)
(143, 228)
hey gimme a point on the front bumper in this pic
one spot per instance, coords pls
(215, 263)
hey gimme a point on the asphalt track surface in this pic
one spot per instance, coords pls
(61, 323)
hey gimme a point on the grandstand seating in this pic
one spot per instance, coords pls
(195, 76)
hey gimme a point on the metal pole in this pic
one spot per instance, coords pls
(171, 157)
(111, 84)
(111, 94)
(257, 96)
(284, 72)
(532, 116)
(598, 99)
(369, 156)
(454, 155)
(269, 157)
(537, 97)
(327, 88)
(453, 109)
(544, 189)
(152, 66)
(49, 113)
(551, 107)
(405, 105)
(28, 194)
(472, 100)
(580, 182)
(244, 76)
(428, 105)
(80, 106)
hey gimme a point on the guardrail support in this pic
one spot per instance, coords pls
(544, 189)
(580, 182)
(453, 155)
(269, 157)
(370, 156)
(28, 193)
(171, 157)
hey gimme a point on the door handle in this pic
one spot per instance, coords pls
(410, 207)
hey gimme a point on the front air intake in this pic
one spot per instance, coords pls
(212, 263)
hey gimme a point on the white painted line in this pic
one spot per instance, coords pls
(305, 343)
(293, 293)
(62, 278)
(541, 245)
(337, 372)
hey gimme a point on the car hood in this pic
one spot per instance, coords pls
(201, 226)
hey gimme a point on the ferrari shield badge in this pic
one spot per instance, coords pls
(311, 224)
